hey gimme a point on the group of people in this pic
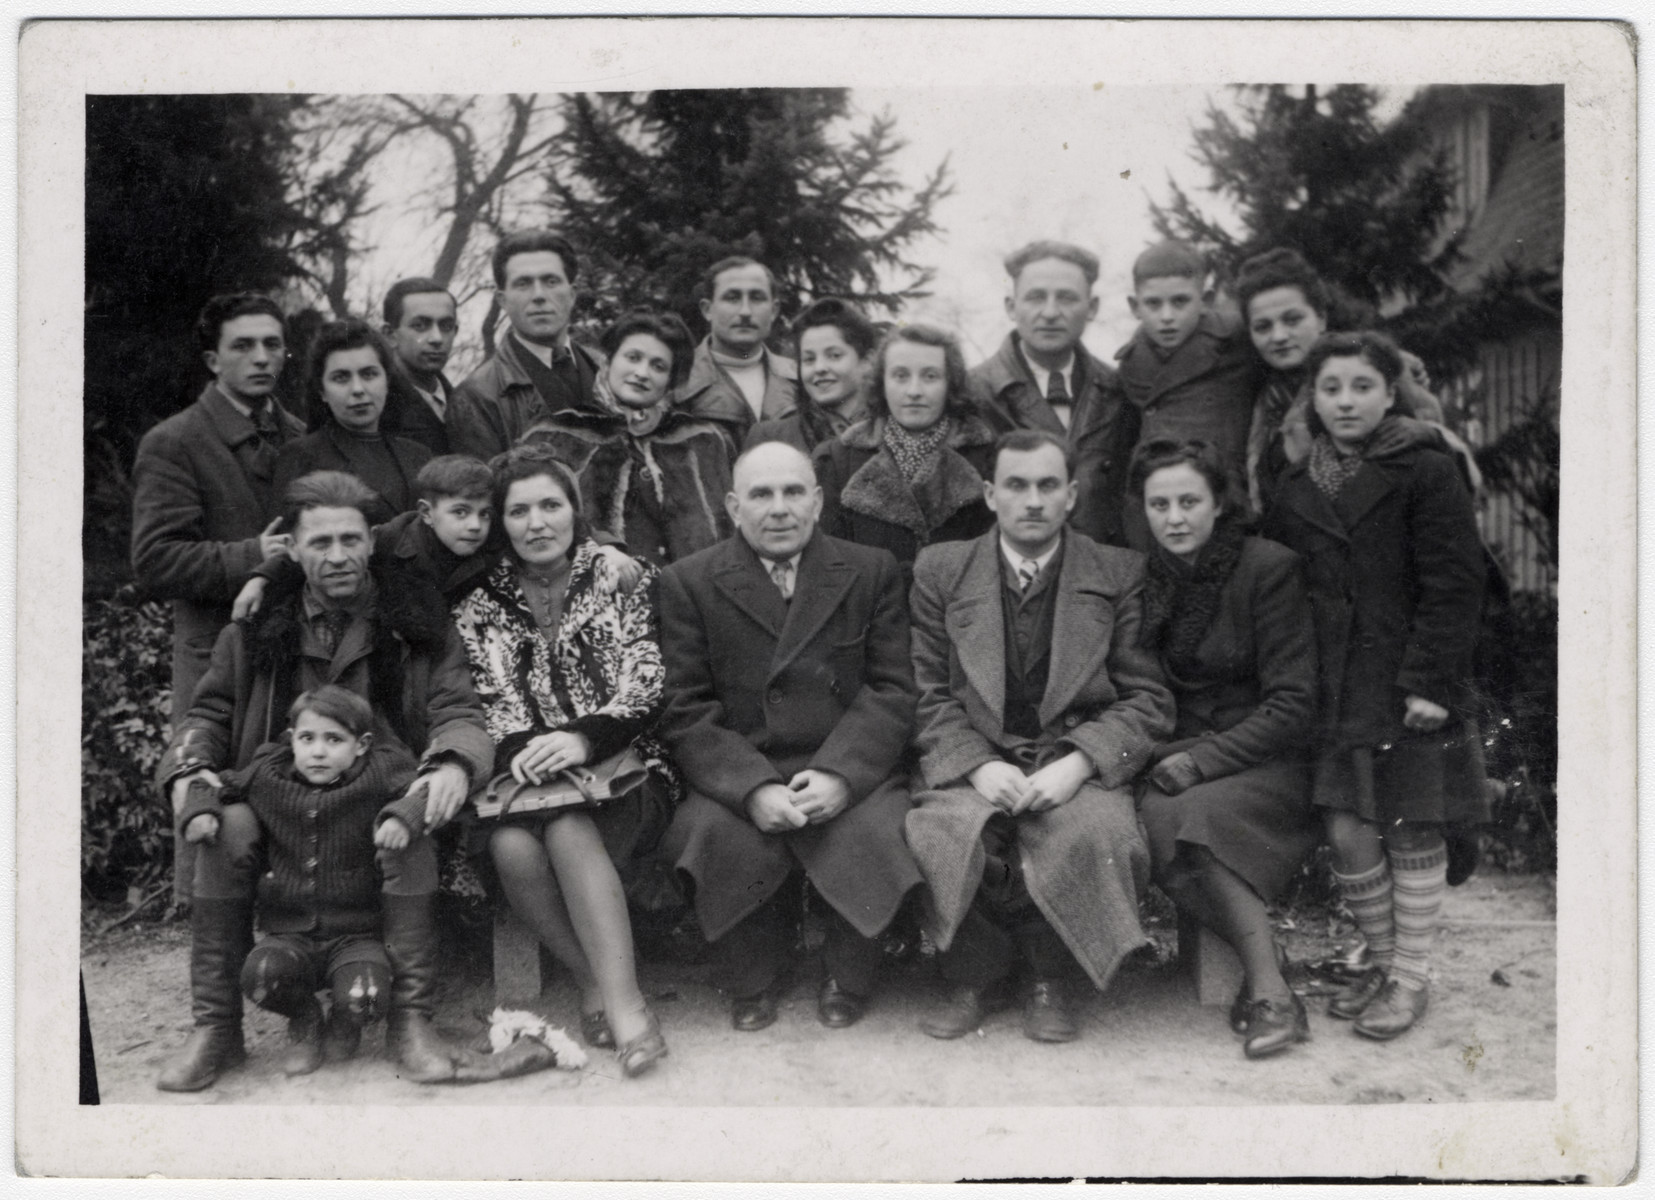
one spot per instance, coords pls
(863, 629)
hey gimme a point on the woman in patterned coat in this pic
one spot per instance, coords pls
(569, 675)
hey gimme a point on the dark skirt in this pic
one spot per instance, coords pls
(630, 826)
(1258, 822)
(1436, 778)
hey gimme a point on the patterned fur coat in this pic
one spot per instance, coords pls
(601, 675)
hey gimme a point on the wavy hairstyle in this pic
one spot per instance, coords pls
(958, 402)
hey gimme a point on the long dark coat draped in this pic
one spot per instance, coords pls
(1084, 862)
(1395, 572)
(866, 499)
(759, 689)
(1246, 716)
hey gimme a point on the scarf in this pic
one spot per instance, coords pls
(1181, 602)
(1331, 470)
(917, 454)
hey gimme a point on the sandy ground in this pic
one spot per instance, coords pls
(1145, 1042)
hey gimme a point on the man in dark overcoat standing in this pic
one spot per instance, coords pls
(1037, 708)
(790, 705)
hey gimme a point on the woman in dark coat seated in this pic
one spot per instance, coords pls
(569, 674)
(834, 345)
(912, 472)
(1227, 810)
(650, 475)
(347, 381)
(1396, 575)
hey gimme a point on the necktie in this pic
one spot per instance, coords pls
(1027, 571)
(269, 435)
(781, 574)
(334, 624)
(1057, 395)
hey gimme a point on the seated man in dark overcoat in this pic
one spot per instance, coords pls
(790, 706)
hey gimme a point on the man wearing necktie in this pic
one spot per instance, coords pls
(1037, 708)
(790, 703)
(1042, 377)
(202, 491)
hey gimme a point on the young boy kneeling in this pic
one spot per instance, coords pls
(325, 799)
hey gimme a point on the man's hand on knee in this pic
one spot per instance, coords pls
(445, 790)
(1057, 782)
(1001, 784)
(181, 786)
(203, 827)
(770, 807)
(819, 795)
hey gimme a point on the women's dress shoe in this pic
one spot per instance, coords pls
(1393, 1013)
(1046, 1015)
(595, 1031)
(961, 1011)
(643, 1051)
(750, 1014)
(837, 1008)
(1350, 1003)
(1241, 1009)
(1276, 1026)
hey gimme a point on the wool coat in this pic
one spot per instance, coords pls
(759, 689)
(1083, 862)
(408, 415)
(404, 657)
(490, 409)
(1395, 572)
(1102, 430)
(1246, 717)
(711, 395)
(805, 428)
(331, 448)
(661, 493)
(201, 494)
(866, 499)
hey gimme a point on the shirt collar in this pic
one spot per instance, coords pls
(241, 406)
(359, 605)
(1042, 376)
(1014, 559)
(547, 354)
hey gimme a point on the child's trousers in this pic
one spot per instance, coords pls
(286, 970)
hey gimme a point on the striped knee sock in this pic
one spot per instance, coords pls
(1420, 879)
(1368, 896)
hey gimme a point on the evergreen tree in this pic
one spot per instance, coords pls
(654, 187)
(1366, 203)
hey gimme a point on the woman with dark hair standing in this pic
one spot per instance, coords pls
(1396, 576)
(1227, 806)
(347, 381)
(911, 473)
(650, 475)
(569, 674)
(832, 342)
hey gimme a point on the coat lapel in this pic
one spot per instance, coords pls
(739, 576)
(977, 627)
(822, 581)
(1080, 637)
(1310, 504)
(1371, 484)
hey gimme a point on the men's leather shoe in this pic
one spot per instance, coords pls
(962, 1011)
(1241, 1009)
(1350, 1003)
(1046, 1015)
(838, 1008)
(1275, 1026)
(1393, 1013)
(750, 1014)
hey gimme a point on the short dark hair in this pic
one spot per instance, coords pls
(527, 460)
(833, 313)
(668, 328)
(1045, 248)
(1280, 268)
(533, 241)
(1171, 258)
(1369, 345)
(337, 704)
(454, 475)
(222, 309)
(709, 280)
(416, 285)
(352, 333)
(325, 489)
(959, 402)
(1160, 453)
(1024, 440)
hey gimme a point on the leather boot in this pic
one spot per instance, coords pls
(221, 934)
(304, 1036)
(411, 945)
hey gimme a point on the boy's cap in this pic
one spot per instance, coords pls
(1170, 257)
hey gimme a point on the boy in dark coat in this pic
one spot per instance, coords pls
(325, 798)
(1189, 372)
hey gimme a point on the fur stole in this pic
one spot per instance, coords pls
(879, 489)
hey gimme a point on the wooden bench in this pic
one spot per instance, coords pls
(1212, 965)
(517, 976)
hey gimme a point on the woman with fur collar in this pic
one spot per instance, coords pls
(569, 673)
(912, 473)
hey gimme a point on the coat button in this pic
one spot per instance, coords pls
(775, 696)
(1070, 721)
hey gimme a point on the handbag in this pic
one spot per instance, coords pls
(587, 786)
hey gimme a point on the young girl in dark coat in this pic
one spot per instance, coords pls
(1395, 570)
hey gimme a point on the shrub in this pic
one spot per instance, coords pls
(126, 667)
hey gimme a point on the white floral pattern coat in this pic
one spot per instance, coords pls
(601, 675)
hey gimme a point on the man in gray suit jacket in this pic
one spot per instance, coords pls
(1037, 708)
